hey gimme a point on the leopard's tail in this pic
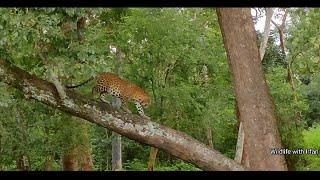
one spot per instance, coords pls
(81, 84)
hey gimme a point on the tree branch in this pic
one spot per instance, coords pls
(281, 29)
(132, 126)
(275, 24)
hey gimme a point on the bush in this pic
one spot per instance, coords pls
(311, 141)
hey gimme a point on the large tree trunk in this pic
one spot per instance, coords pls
(255, 105)
(132, 126)
(263, 46)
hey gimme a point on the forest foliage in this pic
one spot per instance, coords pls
(176, 55)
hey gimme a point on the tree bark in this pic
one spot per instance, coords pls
(116, 152)
(207, 123)
(263, 46)
(116, 103)
(239, 148)
(132, 126)
(254, 101)
(266, 32)
(80, 28)
(281, 30)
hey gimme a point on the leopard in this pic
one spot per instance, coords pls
(109, 83)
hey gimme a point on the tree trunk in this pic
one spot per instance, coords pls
(22, 163)
(281, 30)
(207, 123)
(152, 158)
(87, 164)
(132, 126)
(116, 138)
(84, 150)
(291, 81)
(266, 32)
(239, 150)
(80, 28)
(116, 142)
(281, 41)
(116, 152)
(69, 161)
(253, 99)
(209, 135)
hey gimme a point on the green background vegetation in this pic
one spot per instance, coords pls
(165, 53)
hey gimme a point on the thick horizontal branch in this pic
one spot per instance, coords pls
(132, 126)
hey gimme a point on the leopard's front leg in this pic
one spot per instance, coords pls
(124, 104)
(140, 109)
